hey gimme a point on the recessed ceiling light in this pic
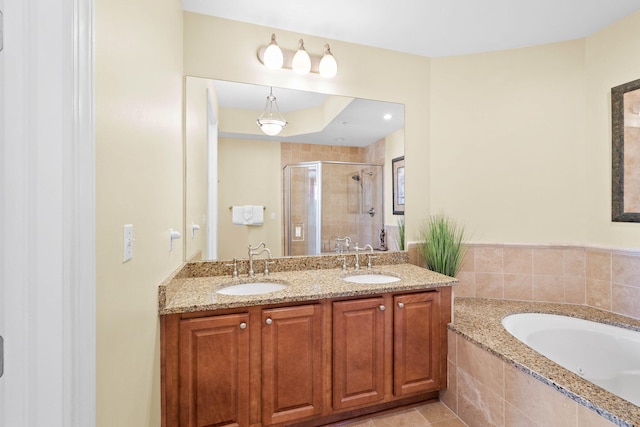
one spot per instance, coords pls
(387, 116)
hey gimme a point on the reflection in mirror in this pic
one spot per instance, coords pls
(625, 109)
(230, 162)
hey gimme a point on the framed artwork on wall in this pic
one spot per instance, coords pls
(397, 173)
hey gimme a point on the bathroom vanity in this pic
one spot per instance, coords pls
(320, 350)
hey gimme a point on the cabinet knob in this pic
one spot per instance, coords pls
(243, 325)
(400, 304)
(268, 321)
(382, 307)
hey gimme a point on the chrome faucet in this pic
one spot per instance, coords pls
(262, 247)
(340, 247)
(358, 249)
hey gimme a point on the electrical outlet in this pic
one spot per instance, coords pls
(127, 253)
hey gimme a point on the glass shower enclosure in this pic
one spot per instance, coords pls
(324, 201)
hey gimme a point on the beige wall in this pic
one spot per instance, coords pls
(394, 147)
(138, 83)
(507, 143)
(611, 60)
(249, 180)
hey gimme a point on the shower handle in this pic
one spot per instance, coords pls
(372, 212)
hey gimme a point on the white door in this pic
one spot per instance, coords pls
(47, 218)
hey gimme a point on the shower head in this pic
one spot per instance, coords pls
(356, 177)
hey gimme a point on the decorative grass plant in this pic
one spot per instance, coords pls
(401, 234)
(442, 244)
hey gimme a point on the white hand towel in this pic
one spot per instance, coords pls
(247, 214)
(237, 215)
(258, 215)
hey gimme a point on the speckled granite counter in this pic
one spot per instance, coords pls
(479, 321)
(194, 287)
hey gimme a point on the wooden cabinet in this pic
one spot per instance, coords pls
(310, 364)
(358, 352)
(214, 371)
(416, 343)
(291, 363)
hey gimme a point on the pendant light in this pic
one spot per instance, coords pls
(269, 123)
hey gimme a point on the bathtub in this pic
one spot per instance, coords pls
(605, 355)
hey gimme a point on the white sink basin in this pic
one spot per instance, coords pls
(255, 288)
(371, 279)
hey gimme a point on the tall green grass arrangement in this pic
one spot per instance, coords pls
(442, 244)
(401, 234)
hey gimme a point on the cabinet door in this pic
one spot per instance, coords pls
(416, 341)
(214, 371)
(291, 363)
(358, 352)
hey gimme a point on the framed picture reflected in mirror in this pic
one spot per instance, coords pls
(397, 168)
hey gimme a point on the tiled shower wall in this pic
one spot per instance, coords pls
(602, 278)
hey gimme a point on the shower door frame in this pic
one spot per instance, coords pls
(286, 199)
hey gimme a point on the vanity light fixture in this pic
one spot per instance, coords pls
(271, 121)
(328, 66)
(273, 57)
(300, 61)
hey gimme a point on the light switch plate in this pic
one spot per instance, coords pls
(127, 253)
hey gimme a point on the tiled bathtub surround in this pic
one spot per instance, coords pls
(601, 278)
(495, 380)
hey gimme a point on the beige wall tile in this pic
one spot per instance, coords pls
(466, 286)
(477, 405)
(575, 289)
(598, 294)
(518, 260)
(574, 262)
(452, 346)
(625, 270)
(589, 418)
(489, 285)
(518, 287)
(625, 300)
(488, 259)
(538, 401)
(548, 261)
(468, 262)
(598, 265)
(548, 288)
(514, 417)
(482, 365)
(450, 396)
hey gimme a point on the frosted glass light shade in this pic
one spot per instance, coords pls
(328, 66)
(271, 127)
(301, 63)
(273, 57)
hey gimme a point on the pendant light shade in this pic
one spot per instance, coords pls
(271, 121)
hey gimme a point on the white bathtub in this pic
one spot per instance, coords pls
(605, 355)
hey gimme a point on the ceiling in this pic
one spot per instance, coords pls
(431, 28)
(357, 125)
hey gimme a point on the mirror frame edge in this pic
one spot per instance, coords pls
(617, 153)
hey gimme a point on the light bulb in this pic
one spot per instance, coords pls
(301, 61)
(328, 65)
(273, 58)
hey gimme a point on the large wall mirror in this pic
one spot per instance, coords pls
(327, 175)
(625, 114)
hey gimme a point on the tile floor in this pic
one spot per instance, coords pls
(434, 414)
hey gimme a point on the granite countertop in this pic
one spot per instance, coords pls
(193, 292)
(480, 321)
